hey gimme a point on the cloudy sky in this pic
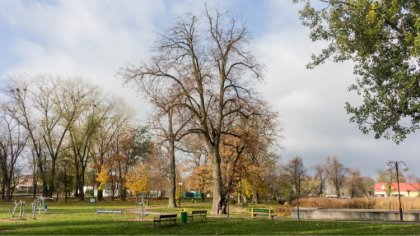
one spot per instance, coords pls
(93, 39)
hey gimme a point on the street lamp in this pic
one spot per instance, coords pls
(395, 164)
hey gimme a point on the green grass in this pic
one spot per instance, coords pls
(75, 218)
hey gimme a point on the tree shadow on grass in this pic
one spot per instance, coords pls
(103, 226)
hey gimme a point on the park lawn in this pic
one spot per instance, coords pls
(77, 218)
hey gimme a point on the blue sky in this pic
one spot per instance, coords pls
(93, 39)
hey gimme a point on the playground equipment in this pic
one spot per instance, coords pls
(21, 205)
(40, 204)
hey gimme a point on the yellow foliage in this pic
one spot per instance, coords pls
(246, 188)
(252, 183)
(371, 16)
(137, 180)
(103, 177)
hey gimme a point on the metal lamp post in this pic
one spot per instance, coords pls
(395, 164)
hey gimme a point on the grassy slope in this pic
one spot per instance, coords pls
(79, 218)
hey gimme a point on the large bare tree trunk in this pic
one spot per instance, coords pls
(34, 178)
(124, 193)
(100, 195)
(35, 186)
(79, 182)
(80, 188)
(218, 193)
(65, 185)
(3, 188)
(172, 174)
(8, 195)
(51, 183)
(6, 189)
(43, 177)
(255, 197)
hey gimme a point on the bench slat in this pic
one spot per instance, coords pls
(168, 217)
(199, 212)
(202, 214)
(262, 212)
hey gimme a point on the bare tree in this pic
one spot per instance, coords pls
(59, 115)
(13, 139)
(19, 91)
(355, 183)
(58, 106)
(336, 173)
(296, 173)
(208, 66)
(83, 132)
(169, 125)
(320, 176)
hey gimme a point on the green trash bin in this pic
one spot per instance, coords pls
(184, 217)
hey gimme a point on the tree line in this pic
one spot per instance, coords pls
(61, 128)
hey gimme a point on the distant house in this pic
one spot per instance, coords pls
(391, 189)
(25, 184)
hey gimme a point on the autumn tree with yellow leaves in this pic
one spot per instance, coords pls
(137, 179)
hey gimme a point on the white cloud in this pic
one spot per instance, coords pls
(91, 39)
(300, 101)
(311, 102)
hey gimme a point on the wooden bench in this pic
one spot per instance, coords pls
(262, 212)
(169, 218)
(202, 214)
(108, 211)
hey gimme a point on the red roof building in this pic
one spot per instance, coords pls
(406, 189)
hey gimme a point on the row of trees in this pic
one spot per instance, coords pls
(61, 128)
(292, 180)
(332, 173)
(332, 177)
